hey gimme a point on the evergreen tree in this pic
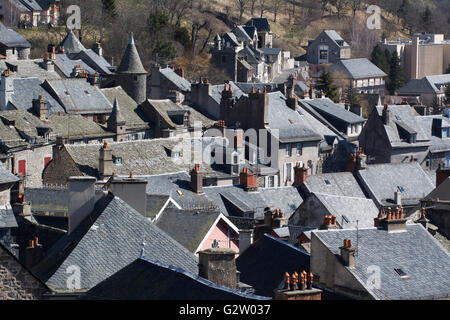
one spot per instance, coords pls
(351, 96)
(388, 58)
(110, 7)
(396, 77)
(378, 58)
(326, 84)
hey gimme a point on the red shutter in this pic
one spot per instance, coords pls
(47, 160)
(22, 167)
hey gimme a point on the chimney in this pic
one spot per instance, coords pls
(20, 206)
(222, 127)
(442, 174)
(398, 198)
(298, 286)
(33, 253)
(259, 108)
(274, 218)
(105, 166)
(218, 265)
(48, 62)
(312, 92)
(132, 191)
(97, 48)
(40, 108)
(292, 101)
(361, 159)
(81, 200)
(386, 114)
(197, 179)
(351, 163)
(392, 221)
(248, 180)
(329, 222)
(180, 72)
(423, 219)
(300, 174)
(348, 253)
(245, 239)
(175, 96)
(6, 88)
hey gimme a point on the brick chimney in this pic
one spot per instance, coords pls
(40, 108)
(386, 114)
(248, 180)
(391, 221)
(300, 174)
(348, 253)
(423, 219)
(81, 200)
(442, 174)
(218, 265)
(197, 179)
(105, 166)
(33, 253)
(329, 222)
(298, 286)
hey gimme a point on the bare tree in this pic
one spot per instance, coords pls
(341, 7)
(242, 5)
(252, 7)
(263, 6)
(355, 5)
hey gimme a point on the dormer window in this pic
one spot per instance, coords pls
(413, 138)
(118, 161)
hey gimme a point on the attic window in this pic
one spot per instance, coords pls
(118, 160)
(66, 92)
(327, 182)
(401, 273)
(87, 92)
(398, 117)
(400, 188)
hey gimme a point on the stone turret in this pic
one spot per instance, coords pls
(116, 123)
(131, 75)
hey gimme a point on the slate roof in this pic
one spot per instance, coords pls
(31, 68)
(143, 157)
(250, 30)
(416, 252)
(317, 122)
(340, 184)
(382, 180)
(116, 115)
(6, 176)
(246, 87)
(332, 111)
(175, 79)
(291, 125)
(131, 62)
(352, 208)
(230, 37)
(188, 227)
(7, 218)
(78, 96)
(66, 65)
(429, 84)
(96, 62)
(216, 91)
(27, 89)
(405, 116)
(441, 192)
(437, 144)
(148, 279)
(75, 126)
(360, 68)
(11, 38)
(333, 35)
(71, 44)
(129, 109)
(265, 262)
(10, 138)
(241, 34)
(155, 202)
(105, 242)
(270, 51)
(261, 24)
(252, 55)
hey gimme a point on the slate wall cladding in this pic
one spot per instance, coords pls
(16, 283)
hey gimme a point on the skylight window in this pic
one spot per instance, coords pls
(400, 188)
(401, 273)
(346, 219)
(327, 182)
(398, 117)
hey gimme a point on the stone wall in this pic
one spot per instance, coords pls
(16, 282)
(34, 164)
(60, 168)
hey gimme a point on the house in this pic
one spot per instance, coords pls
(163, 81)
(360, 74)
(396, 184)
(16, 281)
(12, 45)
(438, 129)
(394, 261)
(350, 212)
(429, 89)
(423, 55)
(392, 134)
(149, 279)
(327, 47)
(30, 13)
(264, 263)
(97, 225)
(262, 26)
(199, 230)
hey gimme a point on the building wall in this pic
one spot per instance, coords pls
(334, 51)
(16, 283)
(34, 160)
(134, 85)
(431, 58)
(225, 236)
(402, 155)
(374, 141)
(60, 168)
(309, 213)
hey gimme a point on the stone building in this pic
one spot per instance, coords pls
(12, 45)
(30, 13)
(328, 47)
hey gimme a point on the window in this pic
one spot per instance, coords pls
(401, 273)
(22, 167)
(288, 171)
(447, 161)
(327, 182)
(299, 149)
(118, 160)
(47, 160)
(288, 150)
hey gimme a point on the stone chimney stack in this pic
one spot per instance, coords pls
(392, 221)
(105, 166)
(274, 218)
(48, 62)
(81, 200)
(300, 174)
(197, 179)
(348, 253)
(259, 107)
(292, 101)
(132, 191)
(218, 265)
(6, 88)
(329, 222)
(40, 108)
(298, 286)
(180, 72)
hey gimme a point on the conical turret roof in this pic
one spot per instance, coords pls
(116, 115)
(131, 62)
